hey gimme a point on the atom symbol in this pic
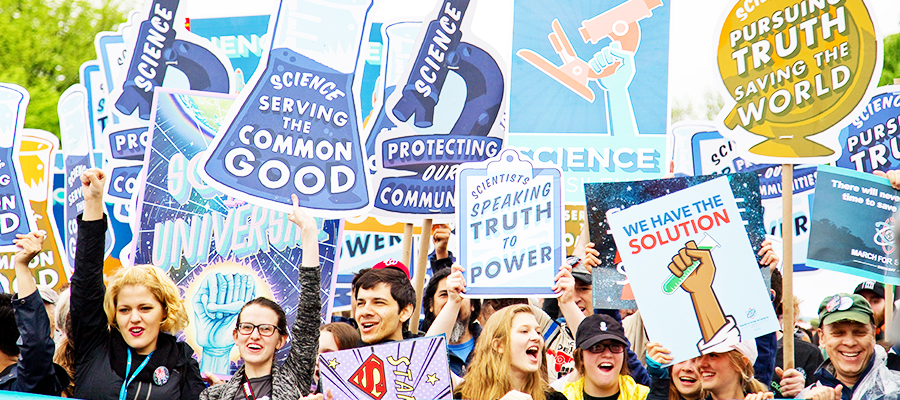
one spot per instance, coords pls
(884, 235)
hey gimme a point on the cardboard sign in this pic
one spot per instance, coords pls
(789, 73)
(594, 77)
(295, 128)
(160, 42)
(870, 142)
(202, 237)
(611, 284)
(34, 159)
(690, 260)
(15, 212)
(74, 126)
(441, 112)
(852, 228)
(409, 369)
(510, 225)
(240, 38)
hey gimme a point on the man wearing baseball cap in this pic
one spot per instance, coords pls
(600, 360)
(856, 368)
(874, 293)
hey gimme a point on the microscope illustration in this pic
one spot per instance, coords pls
(612, 67)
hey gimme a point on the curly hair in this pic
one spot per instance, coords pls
(159, 284)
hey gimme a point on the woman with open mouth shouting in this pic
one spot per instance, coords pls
(262, 329)
(123, 342)
(600, 360)
(508, 357)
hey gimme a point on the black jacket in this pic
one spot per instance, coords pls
(35, 372)
(101, 353)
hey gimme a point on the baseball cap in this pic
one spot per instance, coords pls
(597, 328)
(48, 294)
(581, 273)
(876, 287)
(392, 263)
(845, 307)
(747, 348)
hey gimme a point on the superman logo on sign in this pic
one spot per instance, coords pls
(370, 377)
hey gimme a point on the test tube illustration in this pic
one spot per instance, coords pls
(673, 282)
(75, 131)
(304, 91)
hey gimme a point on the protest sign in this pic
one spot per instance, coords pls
(295, 128)
(791, 72)
(98, 114)
(594, 76)
(201, 236)
(239, 38)
(442, 111)
(34, 161)
(574, 216)
(611, 285)
(160, 42)
(852, 229)
(510, 225)
(870, 141)
(74, 127)
(409, 369)
(15, 211)
(689, 260)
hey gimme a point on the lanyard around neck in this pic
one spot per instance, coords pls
(124, 390)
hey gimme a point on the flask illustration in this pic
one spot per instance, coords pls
(14, 210)
(295, 129)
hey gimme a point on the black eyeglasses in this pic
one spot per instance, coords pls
(246, 328)
(615, 348)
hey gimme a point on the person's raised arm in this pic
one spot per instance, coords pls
(37, 347)
(90, 327)
(446, 318)
(300, 364)
(565, 286)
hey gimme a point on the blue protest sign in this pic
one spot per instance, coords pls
(510, 226)
(201, 236)
(611, 285)
(692, 268)
(240, 38)
(74, 127)
(93, 81)
(852, 229)
(160, 42)
(869, 143)
(15, 211)
(295, 128)
(591, 75)
(440, 112)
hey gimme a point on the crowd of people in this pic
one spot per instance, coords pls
(117, 340)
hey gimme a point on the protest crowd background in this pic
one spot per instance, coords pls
(515, 200)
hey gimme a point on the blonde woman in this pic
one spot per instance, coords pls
(508, 360)
(122, 334)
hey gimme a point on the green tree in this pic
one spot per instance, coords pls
(43, 44)
(891, 68)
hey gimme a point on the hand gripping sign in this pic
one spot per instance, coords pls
(792, 70)
(510, 226)
(295, 127)
(437, 119)
(15, 211)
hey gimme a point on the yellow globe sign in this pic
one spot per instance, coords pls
(793, 71)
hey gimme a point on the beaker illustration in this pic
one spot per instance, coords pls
(297, 131)
(14, 212)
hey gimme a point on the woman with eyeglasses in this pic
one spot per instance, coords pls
(600, 359)
(261, 330)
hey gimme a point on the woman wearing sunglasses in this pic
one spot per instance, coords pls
(262, 329)
(600, 359)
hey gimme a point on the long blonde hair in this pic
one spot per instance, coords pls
(749, 384)
(159, 284)
(488, 375)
